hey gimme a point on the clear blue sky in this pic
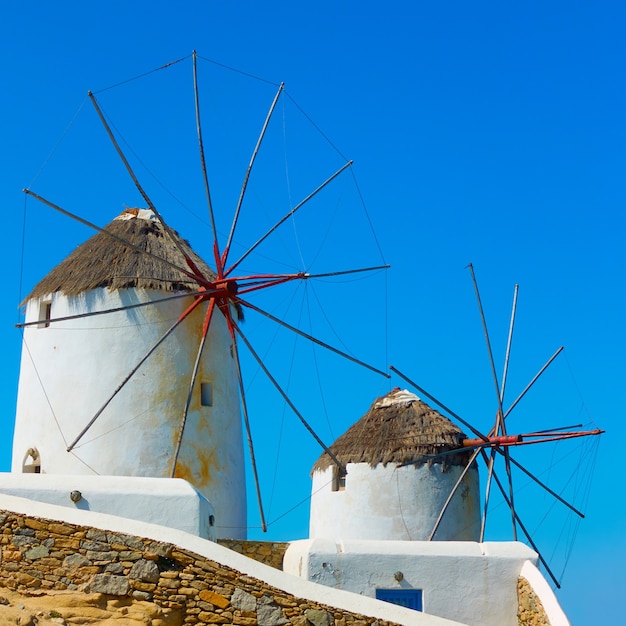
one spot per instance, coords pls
(484, 133)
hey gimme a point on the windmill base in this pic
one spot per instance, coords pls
(170, 502)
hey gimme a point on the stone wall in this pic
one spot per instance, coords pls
(530, 611)
(269, 552)
(41, 556)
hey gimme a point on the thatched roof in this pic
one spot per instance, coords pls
(103, 261)
(397, 428)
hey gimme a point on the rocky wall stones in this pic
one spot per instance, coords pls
(268, 552)
(40, 558)
(530, 611)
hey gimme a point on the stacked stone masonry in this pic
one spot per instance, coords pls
(267, 552)
(41, 556)
(530, 611)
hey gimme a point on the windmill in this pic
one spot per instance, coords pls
(498, 443)
(211, 299)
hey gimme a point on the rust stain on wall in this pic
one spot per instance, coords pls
(199, 466)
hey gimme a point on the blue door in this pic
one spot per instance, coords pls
(409, 598)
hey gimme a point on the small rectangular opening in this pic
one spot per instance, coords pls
(339, 479)
(206, 394)
(45, 314)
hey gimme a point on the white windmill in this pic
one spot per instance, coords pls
(498, 443)
(130, 363)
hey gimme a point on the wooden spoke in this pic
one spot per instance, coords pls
(281, 391)
(345, 355)
(286, 217)
(507, 466)
(355, 271)
(246, 421)
(205, 175)
(118, 309)
(483, 521)
(444, 508)
(248, 171)
(532, 382)
(508, 345)
(544, 486)
(499, 425)
(486, 333)
(141, 190)
(526, 533)
(192, 383)
(197, 278)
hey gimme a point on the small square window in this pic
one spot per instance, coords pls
(206, 394)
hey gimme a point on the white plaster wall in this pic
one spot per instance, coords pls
(468, 582)
(542, 589)
(395, 503)
(165, 501)
(210, 550)
(70, 369)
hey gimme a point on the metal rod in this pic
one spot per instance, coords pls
(249, 170)
(313, 339)
(132, 373)
(280, 390)
(201, 148)
(287, 216)
(533, 381)
(508, 344)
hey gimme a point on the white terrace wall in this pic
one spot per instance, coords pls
(170, 502)
(46, 547)
(469, 582)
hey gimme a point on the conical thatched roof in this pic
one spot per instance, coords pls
(397, 428)
(103, 261)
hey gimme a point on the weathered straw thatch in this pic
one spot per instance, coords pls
(103, 261)
(398, 428)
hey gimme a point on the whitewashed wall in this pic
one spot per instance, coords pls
(169, 502)
(70, 369)
(395, 503)
(468, 582)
